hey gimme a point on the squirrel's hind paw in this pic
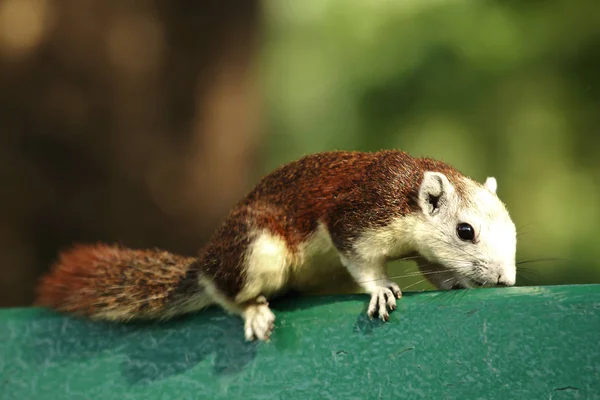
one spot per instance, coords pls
(259, 321)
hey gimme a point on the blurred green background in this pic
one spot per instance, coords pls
(144, 122)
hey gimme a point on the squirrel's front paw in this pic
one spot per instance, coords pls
(382, 299)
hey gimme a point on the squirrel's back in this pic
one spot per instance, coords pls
(315, 188)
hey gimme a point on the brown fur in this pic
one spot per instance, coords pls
(347, 191)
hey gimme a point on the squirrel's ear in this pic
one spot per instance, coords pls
(434, 191)
(491, 184)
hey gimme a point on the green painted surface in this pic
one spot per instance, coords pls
(508, 343)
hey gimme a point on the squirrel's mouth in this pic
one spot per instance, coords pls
(444, 278)
(466, 284)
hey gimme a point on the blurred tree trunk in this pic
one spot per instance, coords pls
(131, 122)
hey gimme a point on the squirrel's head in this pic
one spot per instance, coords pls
(464, 233)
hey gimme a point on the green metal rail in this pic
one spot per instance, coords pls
(506, 343)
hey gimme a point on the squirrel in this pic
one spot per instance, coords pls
(301, 226)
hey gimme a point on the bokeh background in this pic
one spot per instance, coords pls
(143, 122)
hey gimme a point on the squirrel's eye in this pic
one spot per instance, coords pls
(465, 231)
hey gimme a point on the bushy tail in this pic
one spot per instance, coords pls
(115, 283)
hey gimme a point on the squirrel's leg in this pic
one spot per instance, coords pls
(266, 270)
(259, 320)
(371, 276)
(360, 252)
(366, 267)
(245, 264)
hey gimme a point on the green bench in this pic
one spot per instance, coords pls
(505, 343)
